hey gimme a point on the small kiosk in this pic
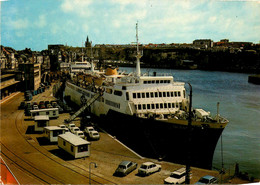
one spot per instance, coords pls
(74, 145)
(51, 112)
(52, 133)
(41, 122)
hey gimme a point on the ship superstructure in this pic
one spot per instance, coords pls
(149, 111)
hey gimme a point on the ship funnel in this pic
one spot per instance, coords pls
(138, 55)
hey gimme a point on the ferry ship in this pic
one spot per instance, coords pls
(150, 114)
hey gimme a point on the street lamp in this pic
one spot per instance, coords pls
(187, 178)
(90, 170)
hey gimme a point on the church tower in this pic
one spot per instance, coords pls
(87, 43)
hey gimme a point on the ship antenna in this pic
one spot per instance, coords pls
(138, 55)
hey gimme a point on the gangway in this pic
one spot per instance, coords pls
(88, 103)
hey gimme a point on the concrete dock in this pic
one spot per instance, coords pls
(34, 161)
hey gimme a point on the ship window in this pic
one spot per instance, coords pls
(160, 94)
(145, 82)
(151, 94)
(123, 87)
(175, 93)
(64, 143)
(165, 81)
(152, 106)
(180, 105)
(179, 93)
(136, 107)
(148, 106)
(165, 105)
(161, 81)
(172, 94)
(177, 105)
(149, 82)
(138, 95)
(153, 81)
(157, 81)
(118, 93)
(147, 95)
(161, 105)
(47, 113)
(139, 107)
(184, 94)
(173, 105)
(71, 148)
(134, 95)
(164, 94)
(143, 95)
(169, 105)
(168, 94)
(127, 96)
(157, 105)
(156, 94)
(144, 106)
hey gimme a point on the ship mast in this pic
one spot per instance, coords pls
(138, 55)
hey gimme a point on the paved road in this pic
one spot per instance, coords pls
(29, 162)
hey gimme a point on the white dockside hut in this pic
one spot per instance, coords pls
(74, 145)
(51, 112)
(41, 121)
(52, 133)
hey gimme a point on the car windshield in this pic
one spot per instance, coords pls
(122, 166)
(143, 166)
(175, 176)
(95, 134)
(91, 129)
(76, 129)
(203, 180)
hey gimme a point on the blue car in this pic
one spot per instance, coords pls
(208, 179)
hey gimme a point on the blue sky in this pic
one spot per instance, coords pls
(36, 23)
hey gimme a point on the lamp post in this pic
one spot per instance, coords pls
(187, 178)
(95, 165)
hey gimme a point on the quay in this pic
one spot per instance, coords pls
(255, 79)
(34, 161)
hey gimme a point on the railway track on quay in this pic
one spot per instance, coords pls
(26, 156)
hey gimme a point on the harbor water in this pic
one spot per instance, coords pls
(239, 103)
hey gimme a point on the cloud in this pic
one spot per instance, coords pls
(79, 7)
(19, 23)
(41, 22)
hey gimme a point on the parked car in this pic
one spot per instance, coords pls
(42, 106)
(177, 177)
(74, 129)
(80, 134)
(71, 125)
(94, 135)
(35, 107)
(67, 108)
(64, 128)
(125, 167)
(60, 109)
(148, 168)
(48, 106)
(208, 179)
(89, 129)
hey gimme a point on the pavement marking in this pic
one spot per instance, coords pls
(9, 97)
